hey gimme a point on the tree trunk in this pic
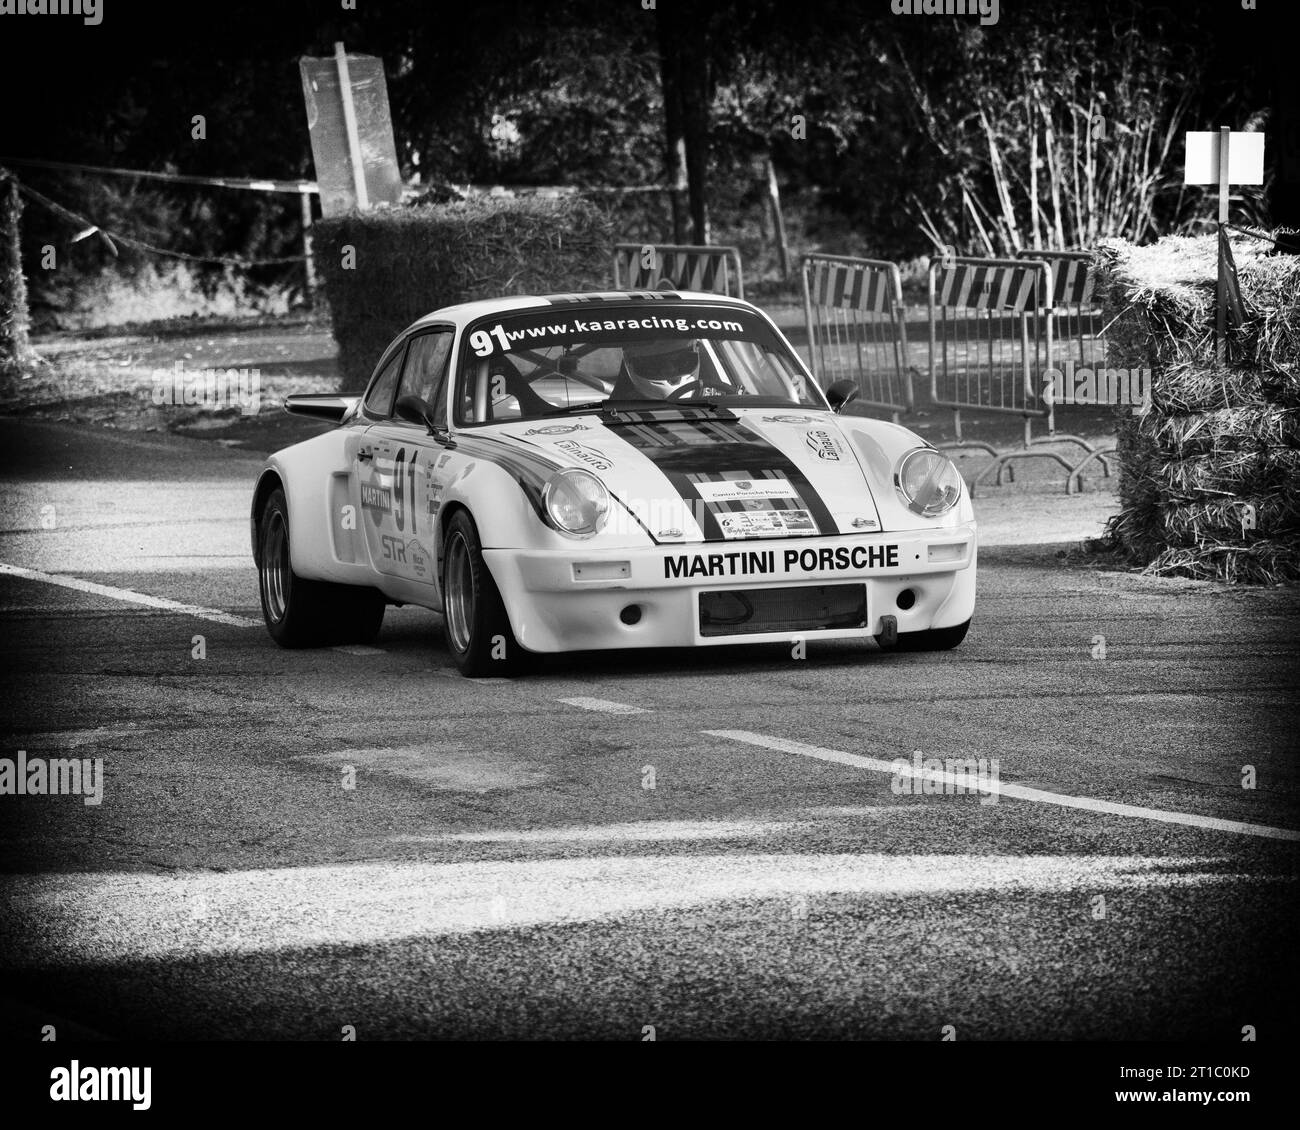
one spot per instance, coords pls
(1284, 194)
(684, 73)
(15, 349)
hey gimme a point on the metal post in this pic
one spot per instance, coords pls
(774, 192)
(307, 249)
(350, 125)
(1220, 316)
(808, 319)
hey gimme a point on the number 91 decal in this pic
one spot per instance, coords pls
(481, 341)
(401, 491)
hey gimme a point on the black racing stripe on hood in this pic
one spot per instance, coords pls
(689, 451)
(530, 469)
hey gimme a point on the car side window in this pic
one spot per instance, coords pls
(379, 400)
(426, 370)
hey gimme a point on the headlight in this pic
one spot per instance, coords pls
(929, 482)
(576, 501)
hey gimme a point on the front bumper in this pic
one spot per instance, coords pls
(574, 599)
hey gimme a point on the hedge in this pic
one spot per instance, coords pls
(407, 262)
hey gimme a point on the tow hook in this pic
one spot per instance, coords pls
(888, 631)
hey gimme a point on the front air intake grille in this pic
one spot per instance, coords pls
(809, 608)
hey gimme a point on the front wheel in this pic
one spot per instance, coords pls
(935, 639)
(303, 613)
(478, 629)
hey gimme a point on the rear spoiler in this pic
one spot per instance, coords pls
(332, 408)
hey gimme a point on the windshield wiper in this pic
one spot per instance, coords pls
(652, 405)
(573, 409)
(648, 404)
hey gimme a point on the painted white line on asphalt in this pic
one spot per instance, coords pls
(1019, 792)
(89, 918)
(602, 704)
(644, 831)
(129, 596)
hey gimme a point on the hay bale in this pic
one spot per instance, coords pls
(406, 262)
(1210, 471)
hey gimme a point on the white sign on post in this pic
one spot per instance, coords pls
(1224, 158)
(351, 132)
(1245, 158)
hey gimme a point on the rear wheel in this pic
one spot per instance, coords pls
(303, 613)
(478, 629)
(935, 639)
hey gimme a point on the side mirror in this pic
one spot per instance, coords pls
(414, 411)
(838, 394)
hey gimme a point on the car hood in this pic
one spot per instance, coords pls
(691, 475)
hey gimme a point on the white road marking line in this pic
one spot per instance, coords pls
(129, 596)
(443, 766)
(358, 649)
(602, 704)
(1019, 792)
(645, 831)
(88, 918)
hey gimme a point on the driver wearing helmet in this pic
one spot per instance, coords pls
(656, 370)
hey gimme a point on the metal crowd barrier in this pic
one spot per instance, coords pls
(1077, 322)
(857, 328)
(1075, 317)
(674, 266)
(990, 339)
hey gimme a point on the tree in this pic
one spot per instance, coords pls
(686, 75)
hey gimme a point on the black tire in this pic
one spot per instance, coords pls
(935, 639)
(477, 627)
(303, 613)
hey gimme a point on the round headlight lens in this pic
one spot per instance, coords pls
(576, 501)
(929, 482)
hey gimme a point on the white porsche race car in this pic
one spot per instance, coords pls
(592, 471)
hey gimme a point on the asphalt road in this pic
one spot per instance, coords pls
(501, 867)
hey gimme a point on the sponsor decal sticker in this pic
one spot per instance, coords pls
(738, 563)
(824, 444)
(788, 419)
(376, 497)
(557, 430)
(767, 524)
(734, 490)
(419, 560)
(596, 460)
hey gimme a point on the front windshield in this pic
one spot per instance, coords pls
(548, 363)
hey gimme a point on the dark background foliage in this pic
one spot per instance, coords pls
(569, 92)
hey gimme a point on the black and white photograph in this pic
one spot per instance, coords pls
(648, 521)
